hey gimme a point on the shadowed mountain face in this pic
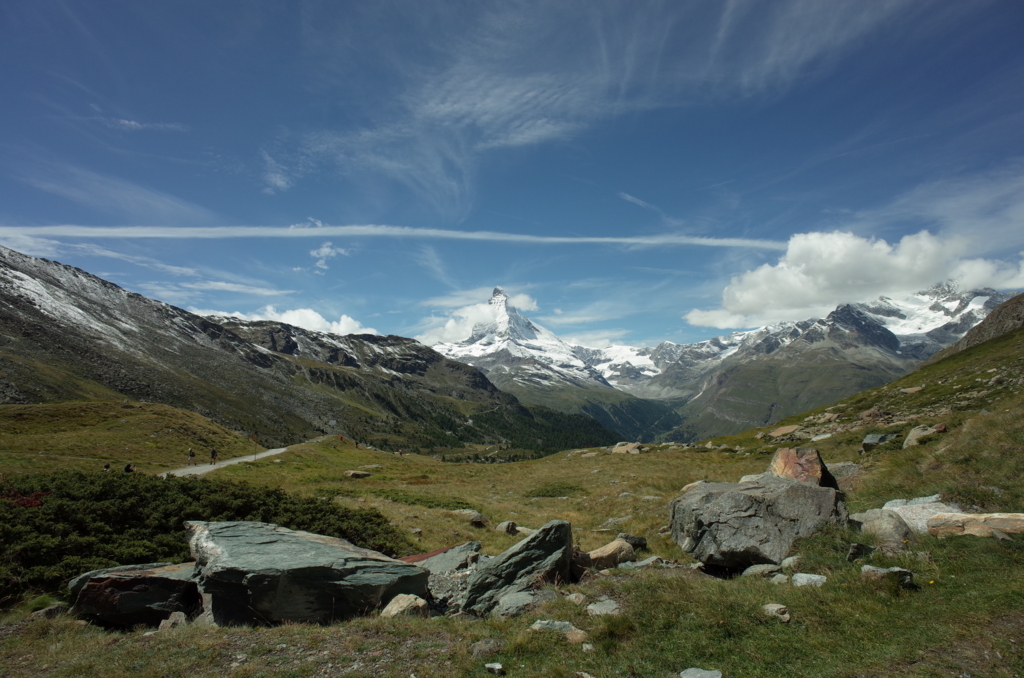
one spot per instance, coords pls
(67, 335)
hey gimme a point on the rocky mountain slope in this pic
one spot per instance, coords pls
(728, 383)
(1008, 317)
(68, 335)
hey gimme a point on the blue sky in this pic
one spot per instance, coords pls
(630, 172)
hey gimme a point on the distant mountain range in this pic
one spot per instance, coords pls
(725, 384)
(68, 335)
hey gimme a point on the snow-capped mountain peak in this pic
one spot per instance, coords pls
(508, 324)
(511, 342)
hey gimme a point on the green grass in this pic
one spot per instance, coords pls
(87, 435)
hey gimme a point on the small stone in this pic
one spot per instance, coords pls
(587, 647)
(761, 570)
(407, 605)
(603, 607)
(803, 579)
(507, 526)
(638, 543)
(577, 636)
(51, 612)
(699, 673)
(358, 474)
(572, 634)
(612, 554)
(905, 578)
(779, 579)
(790, 562)
(176, 619)
(486, 647)
(576, 598)
(475, 518)
(780, 612)
(653, 561)
(495, 668)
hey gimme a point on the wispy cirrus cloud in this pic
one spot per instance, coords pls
(222, 286)
(429, 259)
(378, 230)
(112, 195)
(520, 74)
(136, 126)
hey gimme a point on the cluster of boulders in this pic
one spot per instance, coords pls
(899, 522)
(249, 573)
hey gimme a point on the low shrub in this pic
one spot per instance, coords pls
(425, 500)
(56, 526)
(557, 489)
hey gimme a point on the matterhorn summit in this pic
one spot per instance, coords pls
(512, 348)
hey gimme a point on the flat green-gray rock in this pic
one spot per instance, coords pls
(260, 573)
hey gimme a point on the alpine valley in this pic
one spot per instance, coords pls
(512, 385)
(67, 335)
(688, 392)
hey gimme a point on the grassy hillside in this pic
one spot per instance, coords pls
(87, 435)
(960, 622)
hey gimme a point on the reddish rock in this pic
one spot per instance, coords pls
(803, 464)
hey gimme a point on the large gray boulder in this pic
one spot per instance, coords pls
(130, 595)
(543, 557)
(260, 573)
(736, 525)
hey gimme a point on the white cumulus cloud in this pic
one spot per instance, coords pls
(325, 252)
(821, 270)
(305, 318)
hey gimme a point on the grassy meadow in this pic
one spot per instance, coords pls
(966, 619)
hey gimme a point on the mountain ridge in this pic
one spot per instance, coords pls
(68, 335)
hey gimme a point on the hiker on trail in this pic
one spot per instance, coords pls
(191, 457)
(128, 468)
(213, 456)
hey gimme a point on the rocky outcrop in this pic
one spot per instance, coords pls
(543, 557)
(136, 594)
(260, 573)
(975, 524)
(1007, 317)
(736, 525)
